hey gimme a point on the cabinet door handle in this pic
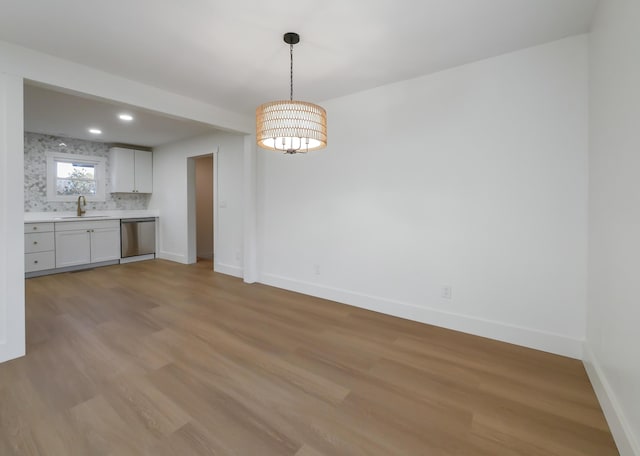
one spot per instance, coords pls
(35, 262)
(35, 242)
(35, 227)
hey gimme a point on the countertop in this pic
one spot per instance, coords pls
(41, 217)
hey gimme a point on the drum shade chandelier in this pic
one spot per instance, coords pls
(291, 126)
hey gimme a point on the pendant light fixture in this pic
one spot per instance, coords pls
(291, 126)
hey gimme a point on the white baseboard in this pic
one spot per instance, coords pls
(527, 337)
(9, 351)
(133, 259)
(228, 269)
(222, 268)
(172, 257)
(622, 432)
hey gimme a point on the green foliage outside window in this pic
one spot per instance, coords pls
(79, 180)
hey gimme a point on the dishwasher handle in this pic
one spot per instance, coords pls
(138, 220)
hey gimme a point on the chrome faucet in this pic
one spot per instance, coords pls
(84, 201)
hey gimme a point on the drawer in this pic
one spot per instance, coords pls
(39, 261)
(38, 242)
(87, 225)
(38, 227)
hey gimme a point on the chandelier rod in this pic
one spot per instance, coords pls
(291, 72)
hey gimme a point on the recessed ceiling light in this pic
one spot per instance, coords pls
(95, 131)
(125, 117)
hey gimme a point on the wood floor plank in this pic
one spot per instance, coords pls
(158, 358)
(106, 430)
(240, 425)
(306, 450)
(193, 440)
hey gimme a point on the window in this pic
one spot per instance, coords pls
(70, 175)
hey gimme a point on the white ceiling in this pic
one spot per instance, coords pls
(71, 115)
(230, 53)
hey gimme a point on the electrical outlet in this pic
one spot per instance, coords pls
(446, 292)
(316, 269)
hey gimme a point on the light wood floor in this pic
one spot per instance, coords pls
(157, 358)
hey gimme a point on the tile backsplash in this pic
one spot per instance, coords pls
(35, 175)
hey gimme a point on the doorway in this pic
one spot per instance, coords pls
(201, 209)
(204, 209)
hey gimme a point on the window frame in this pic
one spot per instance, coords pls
(100, 164)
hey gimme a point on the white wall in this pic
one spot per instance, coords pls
(12, 326)
(171, 197)
(474, 178)
(613, 329)
(204, 206)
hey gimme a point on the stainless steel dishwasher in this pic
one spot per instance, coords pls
(137, 237)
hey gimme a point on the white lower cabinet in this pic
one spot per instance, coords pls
(87, 242)
(105, 244)
(73, 248)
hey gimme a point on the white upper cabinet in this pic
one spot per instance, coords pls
(131, 170)
(143, 166)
